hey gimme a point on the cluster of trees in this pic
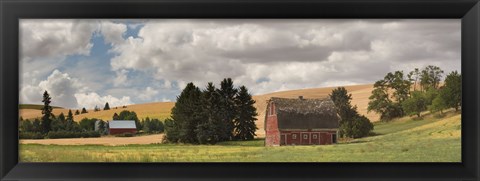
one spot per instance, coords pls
(147, 125)
(397, 94)
(212, 115)
(48, 124)
(352, 124)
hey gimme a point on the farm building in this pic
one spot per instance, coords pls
(122, 126)
(300, 122)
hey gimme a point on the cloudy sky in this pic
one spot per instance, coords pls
(83, 63)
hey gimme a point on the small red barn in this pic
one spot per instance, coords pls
(300, 122)
(122, 126)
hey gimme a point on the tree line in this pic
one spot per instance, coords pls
(397, 94)
(61, 126)
(212, 115)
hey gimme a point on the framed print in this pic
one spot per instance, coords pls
(321, 90)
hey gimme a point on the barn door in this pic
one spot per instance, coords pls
(283, 139)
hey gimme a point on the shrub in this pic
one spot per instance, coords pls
(30, 135)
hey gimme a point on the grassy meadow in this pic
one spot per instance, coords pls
(431, 139)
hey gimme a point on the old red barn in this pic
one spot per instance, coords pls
(300, 122)
(122, 126)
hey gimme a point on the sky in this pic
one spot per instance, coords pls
(86, 63)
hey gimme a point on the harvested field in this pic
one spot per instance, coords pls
(108, 141)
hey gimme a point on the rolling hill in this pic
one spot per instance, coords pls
(161, 110)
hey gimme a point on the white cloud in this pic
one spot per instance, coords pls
(148, 94)
(113, 32)
(55, 38)
(287, 54)
(264, 55)
(121, 78)
(60, 86)
(67, 92)
(92, 99)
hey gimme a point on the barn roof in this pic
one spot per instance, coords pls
(305, 113)
(122, 124)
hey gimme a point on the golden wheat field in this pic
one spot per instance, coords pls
(161, 110)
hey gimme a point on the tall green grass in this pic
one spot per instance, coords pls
(429, 140)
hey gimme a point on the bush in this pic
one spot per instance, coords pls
(67, 134)
(125, 135)
(360, 126)
(30, 135)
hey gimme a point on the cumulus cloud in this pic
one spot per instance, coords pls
(67, 92)
(113, 32)
(92, 99)
(55, 38)
(264, 55)
(60, 86)
(148, 93)
(273, 55)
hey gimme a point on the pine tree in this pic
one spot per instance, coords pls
(107, 107)
(69, 126)
(46, 112)
(77, 112)
(245, 121)
(84, 111)
(211, 126)
(185, 116)
(227, 105)
(115, 116)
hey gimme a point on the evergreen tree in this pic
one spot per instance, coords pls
(46, 112)
(245, 121)
(69, 125)
(84, 111)
(115, 116)
(61, 117)
(77, 112)
(186, 116)
(107, 107)
(227, 106)
(211, 126)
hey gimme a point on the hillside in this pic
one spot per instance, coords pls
(161, 110)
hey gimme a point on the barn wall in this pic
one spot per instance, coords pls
(120, 131)
(272, 134)
(314, 137)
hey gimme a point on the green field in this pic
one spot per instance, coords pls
(431, 139)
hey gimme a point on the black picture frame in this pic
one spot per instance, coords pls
(11, 11)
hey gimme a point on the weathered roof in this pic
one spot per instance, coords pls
(305, 113)
(122, 124)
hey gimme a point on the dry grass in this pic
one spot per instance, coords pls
(109, 140)
(161, 110)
